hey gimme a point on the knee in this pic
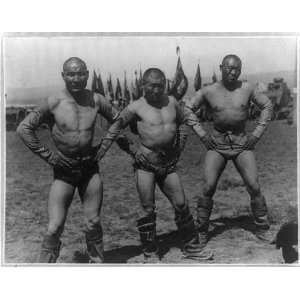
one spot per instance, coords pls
(148, 207)
(92, 222)
(55, 229)
(254, 188)
(209, 189)
(180, 206)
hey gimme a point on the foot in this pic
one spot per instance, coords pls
(265, 235)
(198, 254)
(203, 239)
(195, 249)
(151, 258)
(95, 260)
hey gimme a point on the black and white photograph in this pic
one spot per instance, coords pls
(150, 149)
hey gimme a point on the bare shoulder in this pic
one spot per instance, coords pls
(172, 100)
(136, 105)
(52, 101)
(98, 98)
(257, 87)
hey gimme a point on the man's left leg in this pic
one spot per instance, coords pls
(91, 195)
(172, 188)
(246, 166)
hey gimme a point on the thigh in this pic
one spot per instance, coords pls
(91, 195)
(60, 198)
(214, 165)
(145, 184)
(172, 188)
(246, 165)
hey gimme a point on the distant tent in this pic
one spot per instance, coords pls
(126, 92)
(180, 82)
(118, 95)
(214, 77)
(198, 80)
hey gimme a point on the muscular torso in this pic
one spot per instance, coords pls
(74, 122)
(229, 108)
(157, 125)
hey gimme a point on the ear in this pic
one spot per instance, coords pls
(221, 68)
(62, 74)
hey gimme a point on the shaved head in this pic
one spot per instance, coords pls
(74, 62)
(75, 74)
(231, 58)
(153, 74)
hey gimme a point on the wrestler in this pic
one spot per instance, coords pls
(158, 118)
(71, 116)
(229, 101)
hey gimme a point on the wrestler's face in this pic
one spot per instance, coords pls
(75, 76)
(231, 70)
(154, 87)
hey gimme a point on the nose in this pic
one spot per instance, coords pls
(156, 90)
(76, 78)
(233, 71)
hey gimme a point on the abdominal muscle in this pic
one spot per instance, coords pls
(73, 143)
(157, 137)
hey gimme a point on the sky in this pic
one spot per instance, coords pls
(37, 61)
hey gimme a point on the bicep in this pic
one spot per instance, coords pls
(106, 109)
(196, 101)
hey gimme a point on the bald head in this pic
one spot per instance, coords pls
(74, 63)
(153, 74)
(231, 69)
(231, 58)
(75, 74)
(154, 82)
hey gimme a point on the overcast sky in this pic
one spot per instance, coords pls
(37, 61)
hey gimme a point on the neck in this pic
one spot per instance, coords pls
(78, 96)
(156, 103)
(230, 86)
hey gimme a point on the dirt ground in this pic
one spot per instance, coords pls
(28, 181)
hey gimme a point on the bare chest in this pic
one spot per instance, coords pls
(223, 99)
(70, 116)
(157, 116)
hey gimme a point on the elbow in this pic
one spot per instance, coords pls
(20, 130)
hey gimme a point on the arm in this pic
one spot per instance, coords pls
(190, 119)
(111, 114)
(27, 132)
(122, 120)
(189, 116)
(266, 107)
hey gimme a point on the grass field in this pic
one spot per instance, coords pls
(28, 181)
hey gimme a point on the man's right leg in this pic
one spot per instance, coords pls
(145, 183)
(60, 198)
(213, 167)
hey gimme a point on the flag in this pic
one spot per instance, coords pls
(110, 89)
(100, 87)
(94, 82)
(168, 88)
(140, 81)
(198, 80)
(118, 95)
(180, 82)
(138, 85)
(134, 92)
(214, 78)
(126, 92)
